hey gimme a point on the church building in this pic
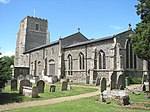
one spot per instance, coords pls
(74, 57)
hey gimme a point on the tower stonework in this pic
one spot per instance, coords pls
(36, 33)
(33, 32)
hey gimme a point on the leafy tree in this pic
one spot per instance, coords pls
(141, 34)
(5, 70)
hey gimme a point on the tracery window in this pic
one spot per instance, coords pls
(81, 61)
(131, 58)
(70, 66)
(102, 60)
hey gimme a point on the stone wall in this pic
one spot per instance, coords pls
(40, 60)
(36, 37)
(21, 71)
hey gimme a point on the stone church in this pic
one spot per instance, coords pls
(74, 57)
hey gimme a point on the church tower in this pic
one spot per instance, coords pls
(33, 33)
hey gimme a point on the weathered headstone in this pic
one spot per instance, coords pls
(2, 86)
(121, 87)
(113, 81)
(31, 92)
(40, 85)
(69, 87)
(144, 78)
(54, 79)
(125, 100)
(34, 92)
(143, 87)
(121, 81)
(24, 82)
(28, 77)
(36, 79)
(52, 88)
(97, 81)
(103, 84)
(19, 78)
(14, 84)
(64, 86)
(87, 79)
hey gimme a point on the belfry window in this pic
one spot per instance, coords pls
(37, 27)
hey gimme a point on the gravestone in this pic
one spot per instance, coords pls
(143, 87)
(144, 78)
(69, 87)
(52, 88)
(64, 86)
(29, 91)
(19, 78)
(14, 84)
(24, 82)
(121, 87)
(54, 79)
(121, 81)
(34, 92)
(28, 77)
(87, 79)
(113, 81)
(103, 84)
(34, 79)
(125, 100)
(40, 85)
(2, 86)
(97, 81)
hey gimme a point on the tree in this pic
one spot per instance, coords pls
(141, 34)
(5, 70)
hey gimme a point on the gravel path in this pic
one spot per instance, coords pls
(12, 106)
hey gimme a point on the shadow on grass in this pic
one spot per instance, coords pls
(10, 98)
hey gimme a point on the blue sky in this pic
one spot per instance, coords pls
(95, 18)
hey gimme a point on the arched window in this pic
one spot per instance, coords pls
(131, 58)
(102, 60)
(51, 67)
(35, 68)
(81, 61)
(70, 66)
(45, 66)
(37, 27)
(127, 55)
(39, 69)
(95, 59)
(32, 68)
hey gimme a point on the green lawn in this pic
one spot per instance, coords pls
(84, 105)
(13, 96)
(81, 105)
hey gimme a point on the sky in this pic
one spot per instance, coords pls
(95, 18)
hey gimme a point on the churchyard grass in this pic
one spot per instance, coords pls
(86, 105)
(139, 97)
(14, 96)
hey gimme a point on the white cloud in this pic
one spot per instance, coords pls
(8, 53)
(116, 27)
(4, 1)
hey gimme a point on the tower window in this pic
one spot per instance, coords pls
(37, 27)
